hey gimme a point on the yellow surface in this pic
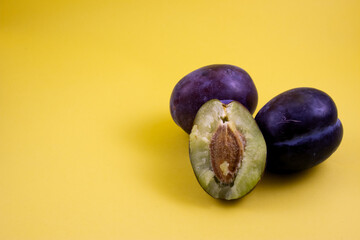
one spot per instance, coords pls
(88, 149)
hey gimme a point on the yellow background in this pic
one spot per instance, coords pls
(88, 149)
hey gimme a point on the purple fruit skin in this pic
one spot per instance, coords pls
(220, 81)
(301, 129)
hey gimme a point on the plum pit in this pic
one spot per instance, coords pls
(226, 153)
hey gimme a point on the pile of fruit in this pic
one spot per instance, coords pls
(229, 149)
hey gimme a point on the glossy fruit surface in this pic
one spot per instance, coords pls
(227, 150)
(221, 81)
(301, 129)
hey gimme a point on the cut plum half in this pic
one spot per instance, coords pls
(227, 150)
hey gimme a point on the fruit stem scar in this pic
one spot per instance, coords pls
(224, 119)
(226, 153)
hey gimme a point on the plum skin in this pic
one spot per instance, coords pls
(218, 81)
(301, 129)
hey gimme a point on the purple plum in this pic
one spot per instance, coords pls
(301, 129)
(221, 81)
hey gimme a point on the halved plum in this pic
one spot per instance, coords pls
(227, 150)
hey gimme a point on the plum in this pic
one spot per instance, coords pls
(301, 129)
(220, 81)
(227, 150)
